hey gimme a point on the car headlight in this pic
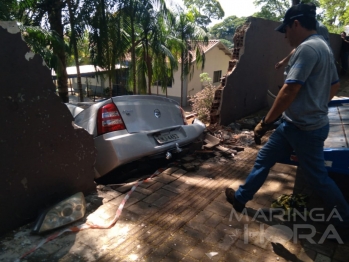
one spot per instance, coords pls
(63, 213)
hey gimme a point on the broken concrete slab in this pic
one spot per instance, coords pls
(44, 159)
(211, 141)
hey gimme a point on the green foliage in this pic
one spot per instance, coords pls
(41, 42)
(8, 8)
(202, 101)
(336, 14)
(272, 9)
(227, 43)
(226, 29)
(276, 9)
(204, 11)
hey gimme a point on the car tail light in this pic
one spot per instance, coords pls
(109, 119)
(183, 116)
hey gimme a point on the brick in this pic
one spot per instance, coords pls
(135, 197)
(143, 191)
(181, 243)
(272, 257)
(170, 170)
(172, 188)
(116, 201)
(141, 251)
(341, 253)
(199, 251)
(143, 208)
(325, 249)
(189, 259)
(219, 208)
(322, 258)
(152, 198)
(227, 242)
(178, 173)
(307, 255)
(214, 237)
(164, 178)
(213, 221)
(161, 201)
(158, 254)
(167, 193)
(156, 186)
(125, 188)
(202, 217)
(199, 227)
(237, 254)
(252, 249)
(148, 183)
(173, 256)
(193, 233)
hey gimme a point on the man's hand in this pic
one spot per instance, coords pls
(279, 64)
(260, 130)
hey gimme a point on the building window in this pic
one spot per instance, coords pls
(217, 76)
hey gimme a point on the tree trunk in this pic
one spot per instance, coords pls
(55, 20)
(149, 67)
(182, 75)
(75, 47)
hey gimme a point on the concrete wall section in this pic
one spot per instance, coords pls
(246, 88)
(43, 159)
(336, 43)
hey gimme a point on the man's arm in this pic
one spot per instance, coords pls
(284, 99)
(334, 89)
(285, 60)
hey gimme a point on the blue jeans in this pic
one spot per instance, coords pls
(308, 146)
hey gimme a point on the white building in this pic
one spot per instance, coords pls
(217, 58)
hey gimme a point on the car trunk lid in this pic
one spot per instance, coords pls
(148, 113)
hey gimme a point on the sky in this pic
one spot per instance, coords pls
(238, 8)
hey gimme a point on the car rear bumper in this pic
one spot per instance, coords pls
(117, 148)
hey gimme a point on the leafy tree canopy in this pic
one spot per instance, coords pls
(205, 10)
(336, 14)
(276, 9)
(226, 29)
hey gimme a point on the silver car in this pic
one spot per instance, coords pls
(128, 128)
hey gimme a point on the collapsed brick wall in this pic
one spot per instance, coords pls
(257, 47)
(238, 40)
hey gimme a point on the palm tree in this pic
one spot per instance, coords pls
(154, 56)
(136, 14)
(191, 38)
(42, 19)
(76, 32)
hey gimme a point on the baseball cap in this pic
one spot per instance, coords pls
(296, 11)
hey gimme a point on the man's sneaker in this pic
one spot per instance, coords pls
(230, 194)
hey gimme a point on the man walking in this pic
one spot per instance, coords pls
(311, 82)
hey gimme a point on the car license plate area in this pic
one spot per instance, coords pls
(163, 138)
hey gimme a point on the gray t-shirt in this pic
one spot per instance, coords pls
(312, 66)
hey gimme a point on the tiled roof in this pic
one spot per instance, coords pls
(210, 45)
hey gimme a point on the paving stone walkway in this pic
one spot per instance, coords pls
(184, 216)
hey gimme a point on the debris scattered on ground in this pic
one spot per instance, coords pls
(211, 254)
